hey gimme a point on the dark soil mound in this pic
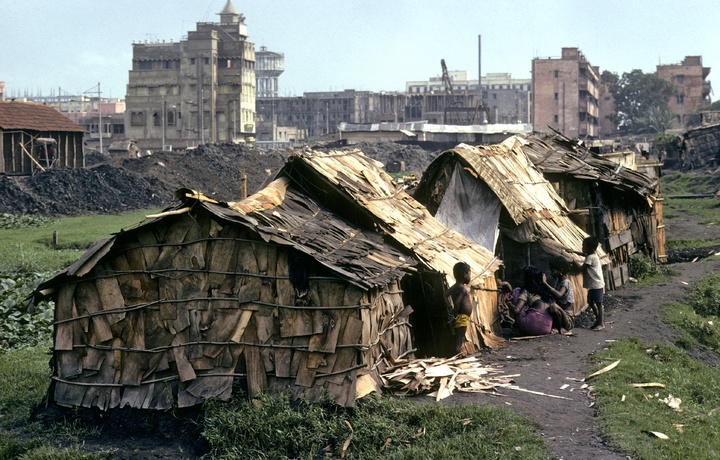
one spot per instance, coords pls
(110, 185)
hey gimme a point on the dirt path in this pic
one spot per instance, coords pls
(546, 364)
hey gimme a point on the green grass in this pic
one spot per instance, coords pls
(676, 244)
(689, 184)
(29, 249)
(707, 208)
(26, 376)
(627, 415)
(377, 428)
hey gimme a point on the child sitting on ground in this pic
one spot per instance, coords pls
(563, 293)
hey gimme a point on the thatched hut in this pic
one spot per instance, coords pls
(496, 197)
(621, 207)
(313, 285)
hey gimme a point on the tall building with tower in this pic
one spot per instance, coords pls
(198, 90)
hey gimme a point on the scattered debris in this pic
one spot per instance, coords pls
(672, 402)
(603, 370)
(657, 434)
(440, 377)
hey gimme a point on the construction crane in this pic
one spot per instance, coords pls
(454, 105)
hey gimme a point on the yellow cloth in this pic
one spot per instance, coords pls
(462, 320)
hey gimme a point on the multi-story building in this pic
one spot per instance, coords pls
(692, 92)
(565, 94)
(507, 99)
(199, 90)
(320, 113)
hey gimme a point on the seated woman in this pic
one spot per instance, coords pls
(534, 308)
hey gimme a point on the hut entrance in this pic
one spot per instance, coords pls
(430, 319)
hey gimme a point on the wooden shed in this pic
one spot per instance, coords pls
(621, 207)
(312, 285)
(496, 197)
(35, 137)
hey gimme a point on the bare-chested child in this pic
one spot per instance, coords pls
(459, 295)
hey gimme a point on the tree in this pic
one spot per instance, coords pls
(639, 97)
(656, 119)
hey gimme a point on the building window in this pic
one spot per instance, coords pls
(555, 118)
(680, 98)
(557, 73)
(157, 120)
(206, 61)
(171, 118)
(494, 95)
(144, 65)
(192, 61)
(556, 96)
(137, 119)
(679, 79)
(118, 129)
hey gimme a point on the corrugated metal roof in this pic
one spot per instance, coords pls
(31, 116)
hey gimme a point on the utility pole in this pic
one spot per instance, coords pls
(100, 126)
(163, 123)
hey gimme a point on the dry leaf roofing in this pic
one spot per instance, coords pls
(523, 191)
(31, 116)
(357, 187)
(556, 154)
(285, 217)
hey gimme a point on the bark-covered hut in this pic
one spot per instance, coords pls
(313, 285)
(621, 207)
(36, 137)
(496, 197)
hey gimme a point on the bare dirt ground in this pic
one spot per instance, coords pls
(544, 364)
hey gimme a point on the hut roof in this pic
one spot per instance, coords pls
(522, 190)
(558, 154)
(357, 187)
(284, 217)
(28, 115)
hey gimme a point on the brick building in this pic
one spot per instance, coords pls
(692, 90)
(566, 93)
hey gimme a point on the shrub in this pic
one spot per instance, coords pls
(641, 266)
(20, 327)
(705, 296)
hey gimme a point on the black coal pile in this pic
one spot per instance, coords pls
(110, 185)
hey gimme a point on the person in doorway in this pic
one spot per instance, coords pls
(534, 308)
(459, 294)
(594, 281)
(562, 291)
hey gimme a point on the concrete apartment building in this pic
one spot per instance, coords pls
(507, 99)
(692, 89)
(317, 114)
(566, 92)
(199, 90)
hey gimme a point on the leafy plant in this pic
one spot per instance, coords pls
(645, 270)
(705, 296)
(23, 221)
(20, 327)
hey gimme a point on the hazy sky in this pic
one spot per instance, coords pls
(347, 44)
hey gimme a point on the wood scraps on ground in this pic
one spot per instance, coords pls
(441, 377)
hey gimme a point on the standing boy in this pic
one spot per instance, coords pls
(462, 304)
(593, 281)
